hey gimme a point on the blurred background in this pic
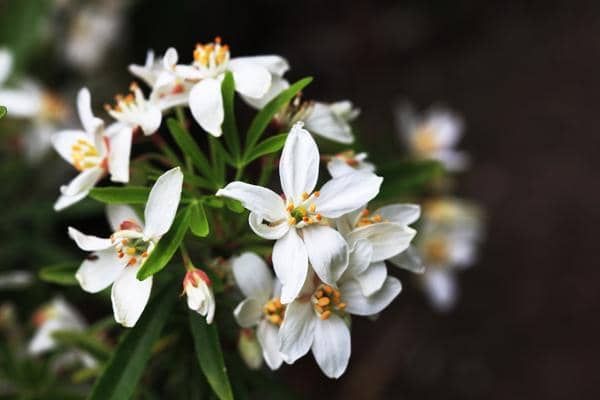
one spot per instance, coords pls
(523, 76)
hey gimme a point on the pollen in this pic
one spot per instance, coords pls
(274, 311)
(327, 300)
(211, 55)
(304, 195)
(317, 193)
(312, 207)
(292, 221)
(132, 261)
(84, 155)
(131, 251)
(325, 315)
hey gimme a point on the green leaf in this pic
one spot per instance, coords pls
(408, 177)
(213, 201)
(234, 205)
(230, 131)
(189, 147)
(198, 222)
(126, 366)
(267, 146)
(121, 194)
(210, 357)
(83, 341)
(264, 117)
(63, 273)
(2, 112)
(166, 246)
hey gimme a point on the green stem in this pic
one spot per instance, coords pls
(182, 121)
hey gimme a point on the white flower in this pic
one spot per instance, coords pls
(316, 320)
(134, 110)
(200, 297)
(58, 315)
(92, 151)
(250, 349)
(300, 222)
(432, 136)
(253, 78)
(332, 121)
(15, 279)
(348, 162)
(262, 307)
(117, 260)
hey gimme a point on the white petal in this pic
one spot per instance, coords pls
(296, 331)
(252, 276)
(278, 85)
(409, 260)
(251, 79)
(100, 270)
(387, 239)
(170, 58)
(299, 164)
(6, 61)
(206, 104)
(327, 251)
(119, 213)
(151, 119)
(360, 258)
(338, 167)
(331, 346)
(257, 199)
(453, 160)
(130, 296)
(78, 188)
(402, 214)
(24, 102)
(274, 64)
(63, 142)
(359, 304)
(248, 312)
(373, 278)
(291, 264)
(268, 337)
(347, 193)
(42, 340)
(267, 230)
(162, 203)
(441, 288)
(118, 158)
(90, 123)
(145, 72)
(323, 121)
(89, 242)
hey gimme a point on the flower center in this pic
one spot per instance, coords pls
(367, 219)
(305, 213)
(436, 251)
(130, 244)
(294, 111)
(348, 157)
(212, 57)
(327, 300)
(85, 155)
(425, 140)
(274, 311)
(132, 103)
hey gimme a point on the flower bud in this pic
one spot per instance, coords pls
(200, 297)
(250, 349)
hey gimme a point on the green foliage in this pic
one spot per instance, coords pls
(166, 246)
(123, 371)
(2, 112)
(62, 274)
(408, 177)
(267, 146)
(210, 356)
(230, 130)
(190, 148)
(198, 221)
(121, 194)
(83, 341)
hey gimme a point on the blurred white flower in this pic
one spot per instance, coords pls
(299, 223)
(262, 307)
(134, 110)
(318, 319)
(253, 78)
(15, 279)
(250, 349)
(348, 162)
(117, 260)
(432, 135)
(200, 297)
(58, 315)
(92, 151)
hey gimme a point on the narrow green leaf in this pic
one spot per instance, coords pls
(126, 366)
(166, 246)
(198, 222)
(213, 201)
(267, 146)
(63, 273)
(219, 157)
(210, 357)
(264, 117)
(234, 205)
(83, 341)
(121, 194)
(189, 147)
(230, 131)
(2, 112)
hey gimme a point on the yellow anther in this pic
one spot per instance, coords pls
(290, 207)
(145, 254)
(317, 193)
(124, 242)
(292, 221)
(306, 219)
(312, 207)
(304, 195)
(325, 315)
(365, 212)
(319, 294)
(327, 289)
(377, 218)
(323, 301)
(318, 217)
(131, 251)
(341, 306)
(276, 319)
(271, 307)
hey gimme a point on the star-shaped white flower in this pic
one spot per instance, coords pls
(348, 162)
(262, 307)
(300, 222)
(134, 110)
(253, 78)
(92, 151)
(316, 320)
(117, 260)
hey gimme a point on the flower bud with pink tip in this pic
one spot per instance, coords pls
(198, 288)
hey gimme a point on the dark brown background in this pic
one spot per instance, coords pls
(527, 78)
